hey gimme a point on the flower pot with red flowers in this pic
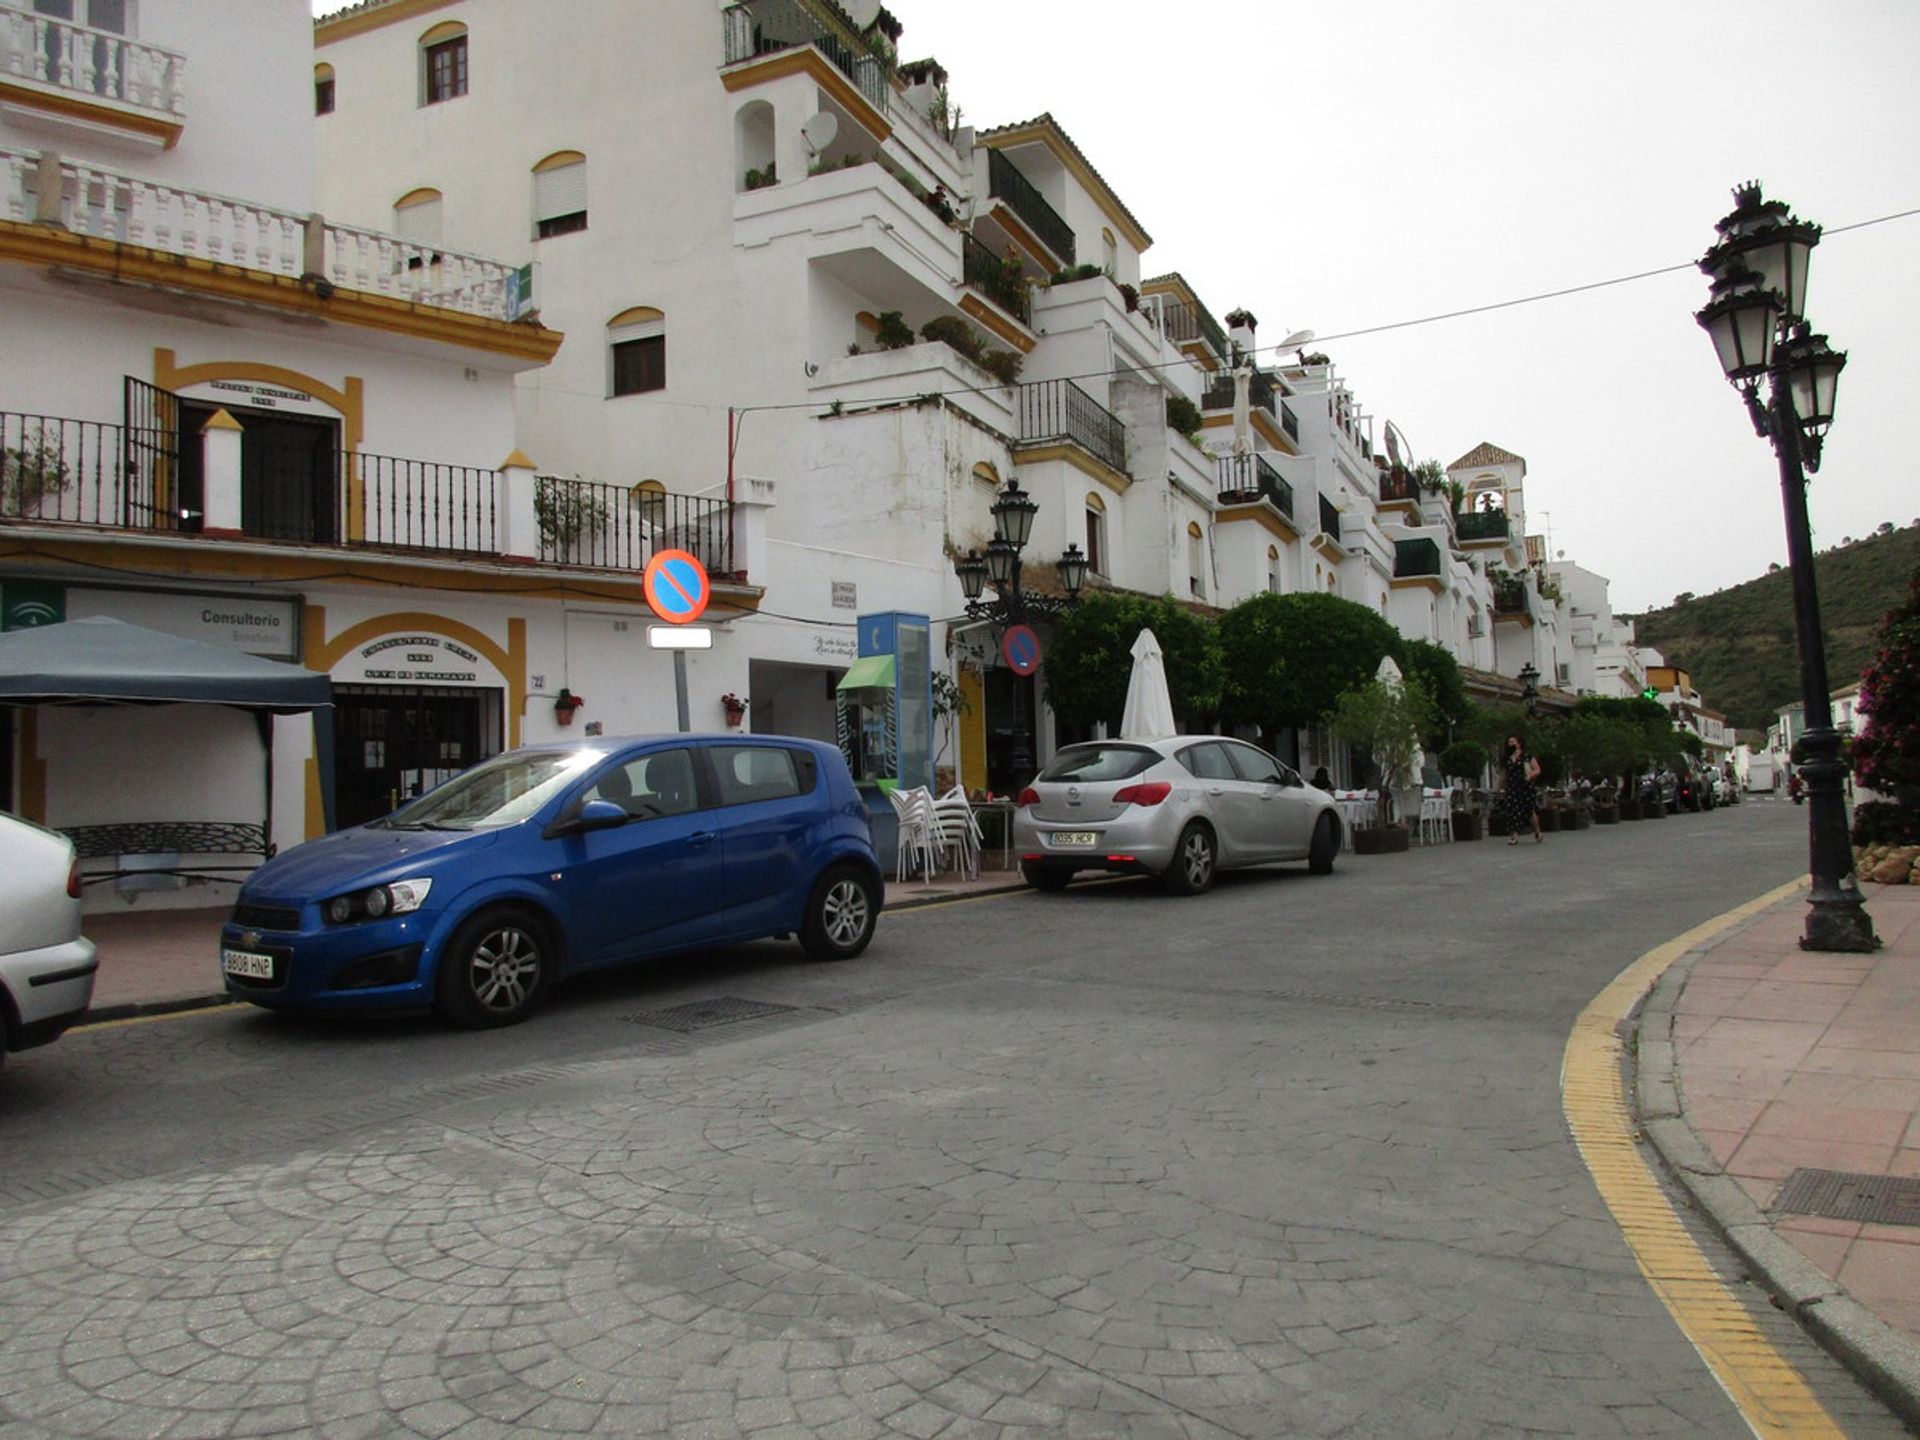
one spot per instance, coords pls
(736, 709)
(565, 704)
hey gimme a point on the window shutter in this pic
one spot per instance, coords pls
(560, 191)
(419, 223)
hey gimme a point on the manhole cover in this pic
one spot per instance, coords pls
(1841, 1195)
(705, 1014)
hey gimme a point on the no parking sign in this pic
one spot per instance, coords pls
(676, 586)
(1020, 648)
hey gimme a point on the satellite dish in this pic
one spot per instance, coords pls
(1399, 452)
(819, 131)
(862, 12)
(1294, 341)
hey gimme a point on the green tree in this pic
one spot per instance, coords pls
(1886, 753)
(1090, 658)
(1387, 721)
(1439, 673)
(1289, 658)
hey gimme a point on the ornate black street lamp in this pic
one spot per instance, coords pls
(1013, 513)
(1756, 317)
(1530, 689)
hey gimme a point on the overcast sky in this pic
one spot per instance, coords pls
(1357, 163)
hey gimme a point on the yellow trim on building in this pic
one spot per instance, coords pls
(1038, 252)
(1418, 582)
(359, 22)
(973, 729)
(221, 420)
(1507, 618)
(518, 461)
(425, 195)
(347, 398)
(92, 112)
(1103, 197)
(446, 30)
(559, 160)
(1115, 480)
(805, 60)
(139, 267)
(1002, 327)
(1263, 514)
(1327, 546)
(1259, 420)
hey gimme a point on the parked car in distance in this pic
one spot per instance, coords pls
(555, 859)
(1181, 808)
(47, 966)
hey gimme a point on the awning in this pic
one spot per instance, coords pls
(869, 672)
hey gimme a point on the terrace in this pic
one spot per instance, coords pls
(111, 79)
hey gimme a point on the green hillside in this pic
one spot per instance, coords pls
(1739, 644)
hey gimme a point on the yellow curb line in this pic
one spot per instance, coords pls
(156, 1019)
(1770, 1394)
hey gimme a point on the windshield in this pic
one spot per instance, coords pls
(1099, 761)
(501, 791)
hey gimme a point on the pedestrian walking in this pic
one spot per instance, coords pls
(1518, 807)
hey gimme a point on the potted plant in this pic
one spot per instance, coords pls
(736, 709)
(565, 704)
(1465, 760)
(30, 473)
(1387, 721)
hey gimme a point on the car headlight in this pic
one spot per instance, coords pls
(378, 902)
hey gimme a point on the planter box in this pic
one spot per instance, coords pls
(1466, 825)
(1629, 809)
(1393, 840)
(1606, 815)
(1575, 819)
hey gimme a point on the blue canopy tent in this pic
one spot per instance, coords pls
(101, 661)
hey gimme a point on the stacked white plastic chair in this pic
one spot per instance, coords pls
(919, 844)
(959, 832)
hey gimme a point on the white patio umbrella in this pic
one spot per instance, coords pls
(1149, 709)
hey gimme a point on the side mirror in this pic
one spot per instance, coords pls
(594, 815)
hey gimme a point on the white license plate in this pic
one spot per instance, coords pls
(1075, 839)
(247, 964)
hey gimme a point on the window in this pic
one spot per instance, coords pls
(443, 56)
(416, 220)
(1196, 559)
(1096, 535)
(1273, 570)
(657, 784)
(560, 195)
(323, 89)
(747, 773)
(1255, 765)
(637, 351)
(1208, 762)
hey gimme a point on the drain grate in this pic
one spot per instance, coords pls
(706, 1014)
(1840, 1195)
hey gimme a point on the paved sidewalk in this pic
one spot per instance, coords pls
(155, 961)
(1760, 1063)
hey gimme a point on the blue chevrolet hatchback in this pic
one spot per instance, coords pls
(557, 859)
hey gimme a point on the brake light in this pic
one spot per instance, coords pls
(1028, 796)
(73, 880)
(1148, 792)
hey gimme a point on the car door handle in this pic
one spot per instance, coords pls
(700, 839)
(1215, 790)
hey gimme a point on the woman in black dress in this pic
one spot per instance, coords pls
(1518, 771)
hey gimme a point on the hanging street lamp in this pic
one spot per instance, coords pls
(1013, 511)
(1756, 318)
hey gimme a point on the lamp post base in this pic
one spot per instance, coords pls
(1839, 925)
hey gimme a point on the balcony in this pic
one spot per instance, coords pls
(999, 280)
(1329, 520)
(1481, 526)
(1060, 410)
(107, 205)
(1005, 182)
(613, 527)
(108, 77)
(767, 27)
(1415, 558)
(1511, 600)
(1289, 423)
(1398, 485)
(1186, 322)
(1240, 479)
(87, 477)
(1262, 394)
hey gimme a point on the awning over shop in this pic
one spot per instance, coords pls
(869, 672)
(101, 661)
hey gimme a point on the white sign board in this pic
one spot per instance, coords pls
(255, 625)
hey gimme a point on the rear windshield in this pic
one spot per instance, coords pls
(1099, 761)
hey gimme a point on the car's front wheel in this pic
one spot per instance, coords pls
(1193, 861)
(495, 970)
(841, 914)
(1326, 844)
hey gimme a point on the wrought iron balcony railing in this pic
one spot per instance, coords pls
(999, 280)
(1418, 556)
(1005, 180)
(1481, 525)
(1262, 393)
(97, 64)
(1240, 478)
(1398, 484)
(1510, 597)
(1061, 410)
(1185, 321)
(1289, 423)
(614, 527)
(109, 205)
(765, 27)
(1329, 518)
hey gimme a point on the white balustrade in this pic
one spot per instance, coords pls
(111, 206)
(83, 60)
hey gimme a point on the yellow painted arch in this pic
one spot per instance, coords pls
(559, 160)
(348, 397)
